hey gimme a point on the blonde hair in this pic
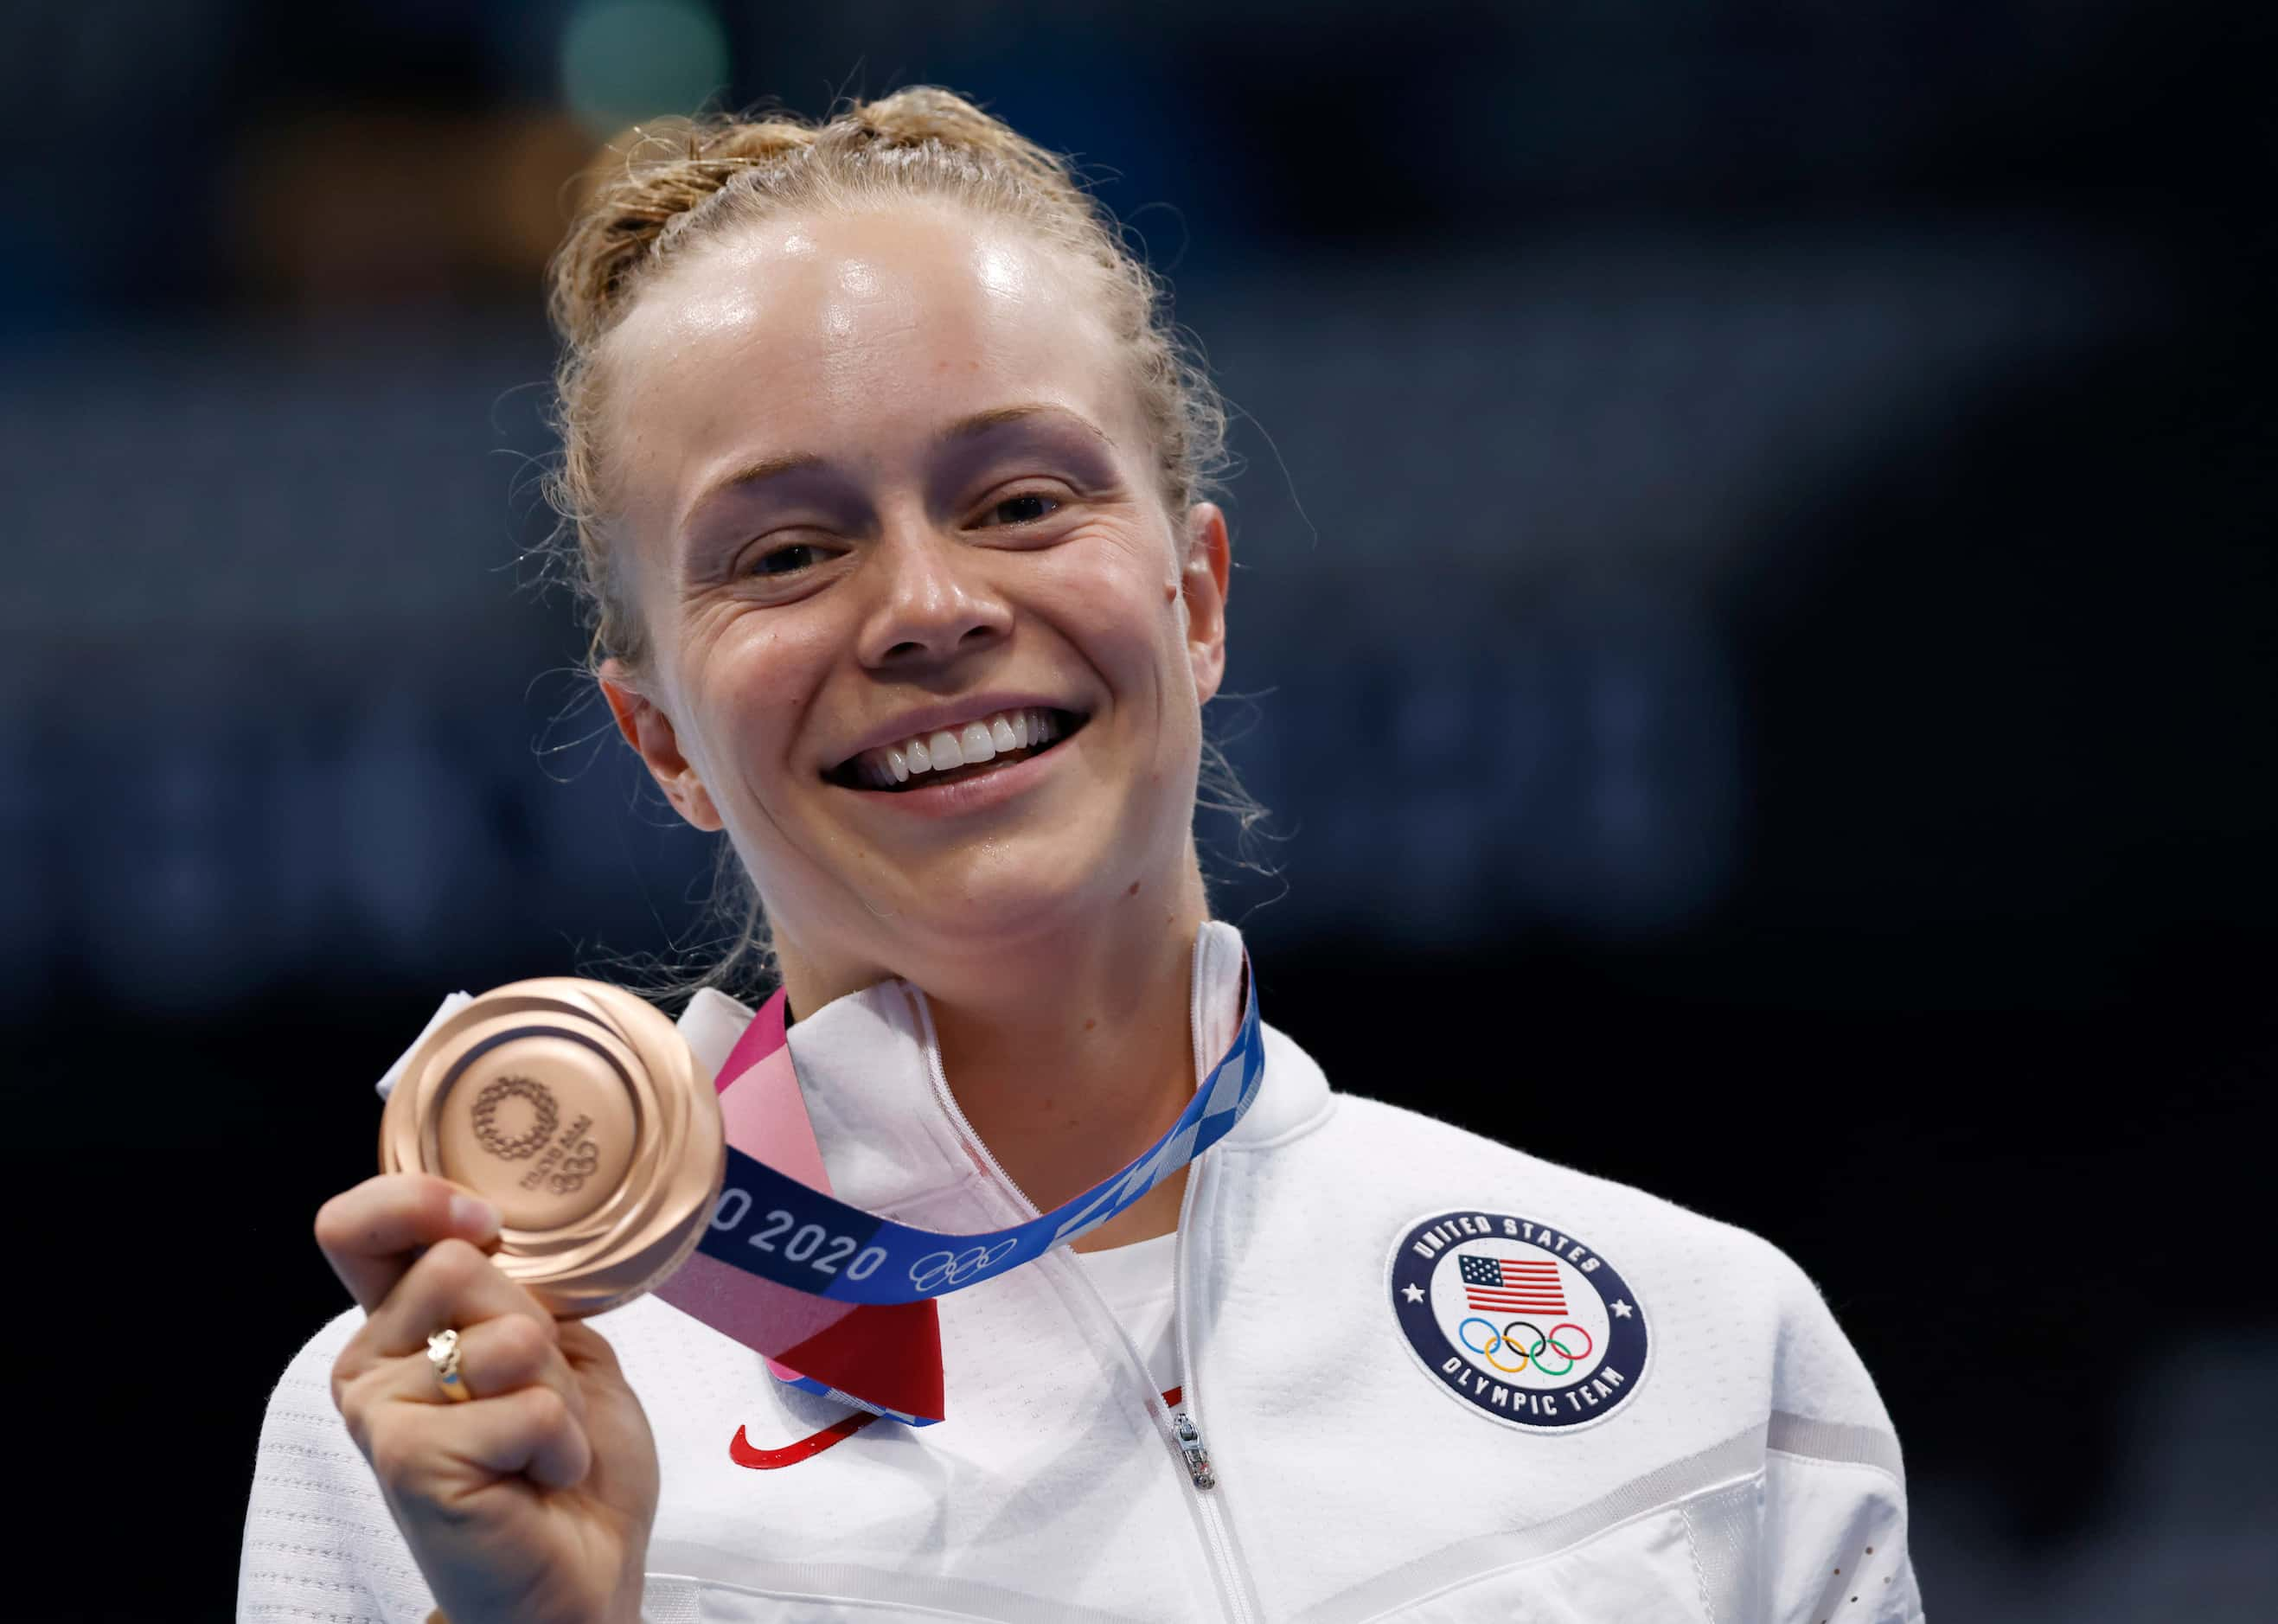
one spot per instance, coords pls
(690, 181)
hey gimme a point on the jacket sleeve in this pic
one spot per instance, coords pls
(320, 1542)
(1835, 1496)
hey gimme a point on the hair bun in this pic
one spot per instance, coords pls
(928, 113)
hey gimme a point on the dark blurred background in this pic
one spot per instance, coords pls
(1756, 603)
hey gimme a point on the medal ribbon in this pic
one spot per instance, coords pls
(841, 1301)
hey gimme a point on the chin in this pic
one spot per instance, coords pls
(1004, 896)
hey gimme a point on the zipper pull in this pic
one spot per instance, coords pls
(1190, 1445)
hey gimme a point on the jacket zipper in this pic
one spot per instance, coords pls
(1187, 1432)
(1186, 1427)
(1190, 1440)
(1182, 1430)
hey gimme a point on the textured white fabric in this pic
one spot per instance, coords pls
(1753, 1460)
(1141, 1284)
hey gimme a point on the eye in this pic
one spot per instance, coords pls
(1023, 507)
(787, 560)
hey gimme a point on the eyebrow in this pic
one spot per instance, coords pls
(964, 430)
(996, 417)
(749, 475)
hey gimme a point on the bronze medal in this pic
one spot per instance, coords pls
(579, 1110)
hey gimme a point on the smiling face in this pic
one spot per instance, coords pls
(882, 482)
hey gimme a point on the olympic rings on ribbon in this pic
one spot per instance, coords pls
(936, 1269)
(1544, 1341)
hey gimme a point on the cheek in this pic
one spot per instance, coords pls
(753, 686)
(1116, 594)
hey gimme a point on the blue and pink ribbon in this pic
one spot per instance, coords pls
(841, 1301)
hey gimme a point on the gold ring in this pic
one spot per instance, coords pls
(443, 1354)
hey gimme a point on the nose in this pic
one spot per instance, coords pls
(935, 601)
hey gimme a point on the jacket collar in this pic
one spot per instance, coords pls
(869, 1069)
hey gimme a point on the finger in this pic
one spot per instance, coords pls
(428, 1449)
(496, 1357)
(452, 1285)
(372, 1233)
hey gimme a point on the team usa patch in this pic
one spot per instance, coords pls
(1523, 1322)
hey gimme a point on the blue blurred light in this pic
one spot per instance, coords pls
(626, 60)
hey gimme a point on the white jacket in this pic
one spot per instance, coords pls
(1745, 1470)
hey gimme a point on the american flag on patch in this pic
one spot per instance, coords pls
(1507, 1286)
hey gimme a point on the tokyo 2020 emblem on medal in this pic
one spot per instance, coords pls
(1523, 1322)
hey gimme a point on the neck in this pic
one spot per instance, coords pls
(1071, 1053)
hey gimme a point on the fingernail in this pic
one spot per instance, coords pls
(474, 1217)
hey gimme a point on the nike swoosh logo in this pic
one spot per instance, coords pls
(743, 1452)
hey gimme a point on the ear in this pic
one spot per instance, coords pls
(1203, 580)
(651, 733)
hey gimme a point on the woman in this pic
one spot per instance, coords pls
(885, 471)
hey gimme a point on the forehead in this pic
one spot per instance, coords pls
(850, 336)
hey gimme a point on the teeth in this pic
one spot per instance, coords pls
(969, 743)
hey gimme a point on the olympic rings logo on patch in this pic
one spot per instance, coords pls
(937, 1270)
(1544, 1341)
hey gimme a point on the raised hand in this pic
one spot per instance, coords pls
(532, 1500)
